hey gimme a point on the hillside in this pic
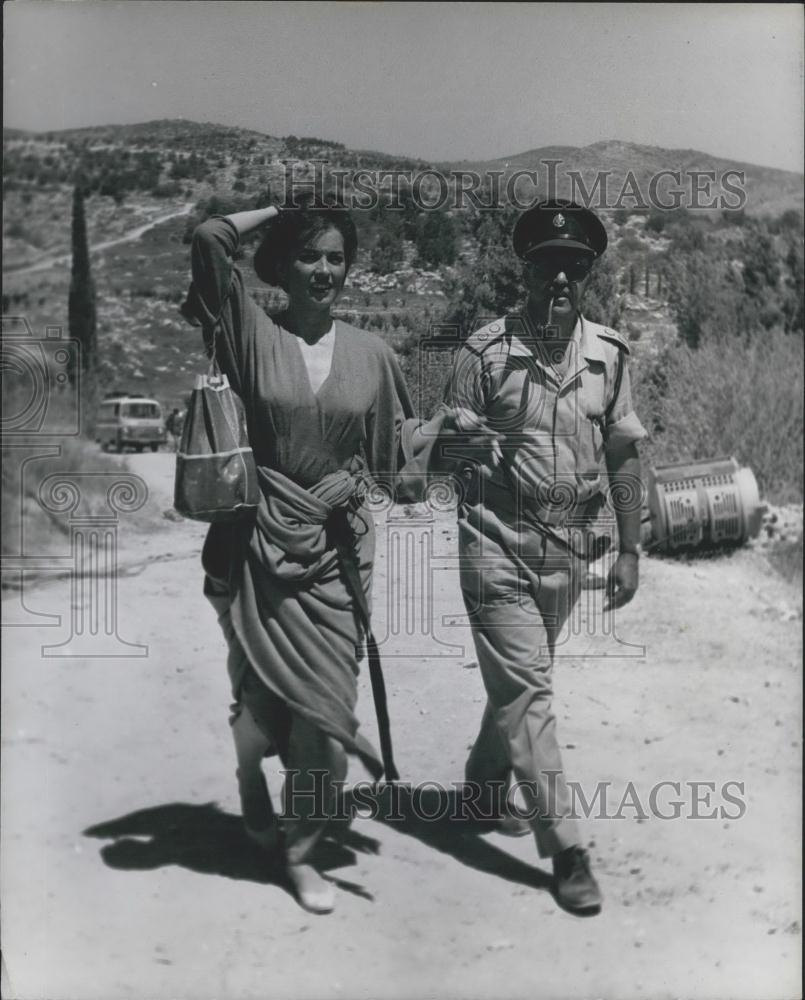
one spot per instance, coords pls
(205, 151)
(148, 184)
(768, 190)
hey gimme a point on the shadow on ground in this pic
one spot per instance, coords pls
(440, 819)
(204, 839)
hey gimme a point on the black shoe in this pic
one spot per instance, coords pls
(574, 887)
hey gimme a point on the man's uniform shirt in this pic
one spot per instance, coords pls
(556, 429)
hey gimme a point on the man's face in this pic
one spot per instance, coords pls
(559, 278)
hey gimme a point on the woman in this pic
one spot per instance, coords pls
(325, 402)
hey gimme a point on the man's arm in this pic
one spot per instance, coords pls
(460, 431)
(626, 493)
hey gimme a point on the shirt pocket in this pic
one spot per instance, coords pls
(594, 391)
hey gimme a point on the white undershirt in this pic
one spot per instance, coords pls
(318, 358)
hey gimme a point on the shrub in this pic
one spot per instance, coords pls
(603, 301)
(656, 220)
(435, 240)
(484, 290)
(740, 396)
(16, 230)
(167, 189)
(384, 256)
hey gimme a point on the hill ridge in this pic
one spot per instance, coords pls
(604, 146)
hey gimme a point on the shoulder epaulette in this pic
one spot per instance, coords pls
(487, 336)
(605, 333)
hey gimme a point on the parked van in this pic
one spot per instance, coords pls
(128, 420)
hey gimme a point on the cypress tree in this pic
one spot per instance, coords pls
(81, 305)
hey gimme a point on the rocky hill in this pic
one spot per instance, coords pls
(768, 191)
(148, 183)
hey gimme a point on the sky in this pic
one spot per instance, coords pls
(438, 81)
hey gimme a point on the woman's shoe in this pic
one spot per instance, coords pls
(313, 893)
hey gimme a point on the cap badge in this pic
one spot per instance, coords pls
(558, 220)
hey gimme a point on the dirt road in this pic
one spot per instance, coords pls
(129, 237)
(125, 872)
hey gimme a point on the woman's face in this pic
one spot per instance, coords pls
(315, 275)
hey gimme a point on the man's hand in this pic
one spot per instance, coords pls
(622, 581)
(479, 443)
(477, 430)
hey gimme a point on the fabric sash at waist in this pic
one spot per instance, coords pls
(298, 536)
(292, 535)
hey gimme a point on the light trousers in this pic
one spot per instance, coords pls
(518, 593)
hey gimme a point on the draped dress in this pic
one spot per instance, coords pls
(276, 579)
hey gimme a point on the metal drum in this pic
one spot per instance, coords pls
(712, 502)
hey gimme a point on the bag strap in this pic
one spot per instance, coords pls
(214, 371)
(353, 578)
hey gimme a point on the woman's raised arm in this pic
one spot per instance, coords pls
(246, 222)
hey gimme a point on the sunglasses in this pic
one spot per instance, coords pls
(548, 265)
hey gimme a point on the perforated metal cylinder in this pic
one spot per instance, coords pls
(711, 502)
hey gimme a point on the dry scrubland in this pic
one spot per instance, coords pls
(711, 303)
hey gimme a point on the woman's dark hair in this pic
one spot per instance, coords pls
(295, 227)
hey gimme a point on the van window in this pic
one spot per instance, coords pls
(109, 410)
(141, 411)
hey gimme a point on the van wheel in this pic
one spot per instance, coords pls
(119, 448)
(138, 448)
(154, 446)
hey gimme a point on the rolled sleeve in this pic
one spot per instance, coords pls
(628, 430)
(623, 426)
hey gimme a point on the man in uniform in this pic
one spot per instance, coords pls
(553, 390)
